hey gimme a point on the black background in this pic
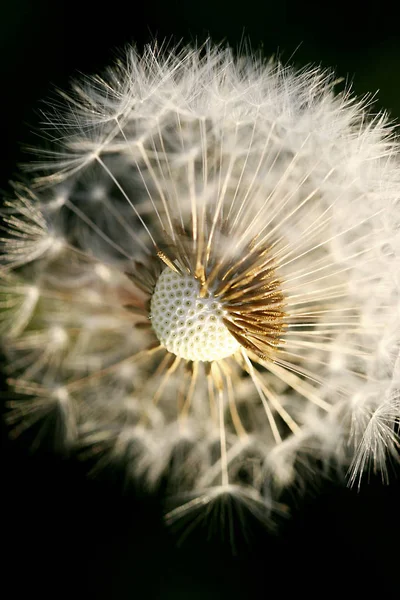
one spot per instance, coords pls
(64, 534)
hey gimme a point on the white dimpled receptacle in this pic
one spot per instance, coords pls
(186, 325)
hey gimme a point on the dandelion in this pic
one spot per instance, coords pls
(204, 281)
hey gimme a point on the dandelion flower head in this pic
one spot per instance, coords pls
(203, 282)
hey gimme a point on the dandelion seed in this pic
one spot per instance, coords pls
(205, 280)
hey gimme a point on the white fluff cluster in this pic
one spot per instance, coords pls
(280, 201)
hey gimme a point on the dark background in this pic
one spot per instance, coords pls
(66, 534)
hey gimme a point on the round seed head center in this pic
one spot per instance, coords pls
(187, 325)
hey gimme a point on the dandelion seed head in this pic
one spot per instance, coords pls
(214, 246)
